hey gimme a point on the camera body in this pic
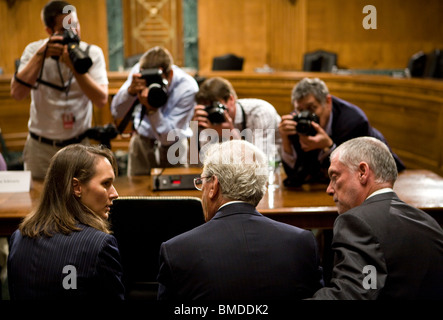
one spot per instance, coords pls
(157, 85)
(216, 112)
(80, 59)
(304, 126)
(103, 134)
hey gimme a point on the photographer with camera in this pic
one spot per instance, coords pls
(219, 111)
(64, 77)
(161, 97)
(319, 123)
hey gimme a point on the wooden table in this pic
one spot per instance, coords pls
(306, 207)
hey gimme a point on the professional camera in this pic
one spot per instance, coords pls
(103, 134)
(304, 126)
(79, 58)
(157, 85)
(216, 112)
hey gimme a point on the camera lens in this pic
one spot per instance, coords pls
(157, 95)
(79, 59)
(216, 112)
(304, 126)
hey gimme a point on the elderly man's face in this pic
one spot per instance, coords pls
(344, 186)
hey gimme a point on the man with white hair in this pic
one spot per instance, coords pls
(238, 254)
(384, 248)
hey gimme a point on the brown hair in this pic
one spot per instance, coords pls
(51, 10)
(157, 57)
(59, 211)
(214, 89)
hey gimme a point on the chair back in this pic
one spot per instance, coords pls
(319, 61)
(227, 62)
(140, 225)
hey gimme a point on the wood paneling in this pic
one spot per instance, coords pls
(21, 24)
(279, 32)
(149, 23)
(264, 32)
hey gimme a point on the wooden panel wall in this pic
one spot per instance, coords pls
(279, 32)
(264, 32)
(149, 23)
(20, 24)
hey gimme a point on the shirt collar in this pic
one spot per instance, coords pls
(230, 202)
(380, 191)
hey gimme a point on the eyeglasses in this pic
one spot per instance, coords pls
(198, 182)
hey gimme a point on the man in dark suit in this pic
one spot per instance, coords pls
(331, 122)
(384, 248)
(238, 254)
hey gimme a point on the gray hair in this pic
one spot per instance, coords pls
(240, 168)
(372, 151)
(308, 86)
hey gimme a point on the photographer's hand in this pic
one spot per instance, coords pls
(97, 93)
(143, 99)
(228, 125)
(31, 71)
(137, 84)
(286, 128)
(64, 58)
(201, 116)
(53, 47)
(320, 141)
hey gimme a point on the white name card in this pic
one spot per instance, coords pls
(15, 181)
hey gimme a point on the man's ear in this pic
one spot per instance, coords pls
(170, 74)
(214, 187)
(49, 31)
(363, 172)
(76, 187)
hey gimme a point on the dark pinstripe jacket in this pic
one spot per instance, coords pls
(36, 266)
(240, 255)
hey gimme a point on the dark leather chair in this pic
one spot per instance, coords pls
(434, 64)
(319, 61)
(132, 60)
(417, 64)
(140, 225)
(227, 62)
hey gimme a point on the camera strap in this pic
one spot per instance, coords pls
(124, 123)
(52, 85)
(243, 124)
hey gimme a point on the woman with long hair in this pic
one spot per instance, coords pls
(64, 247)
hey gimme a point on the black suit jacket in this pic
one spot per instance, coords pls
(240, 255)
(404, 244)
(35, 266)
(348, 122)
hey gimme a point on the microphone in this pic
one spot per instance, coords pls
(157, 180)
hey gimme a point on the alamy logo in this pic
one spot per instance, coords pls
(370, 21)
(70, 281)
(70, 21)
(370, 281)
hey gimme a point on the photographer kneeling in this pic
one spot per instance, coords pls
(320, 122)
(64, 76)
(221, 116)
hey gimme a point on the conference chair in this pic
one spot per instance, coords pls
(434, 64)
(132, 60)
(227, 62)
(140, 225)
(417, 64)
(319, 61)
